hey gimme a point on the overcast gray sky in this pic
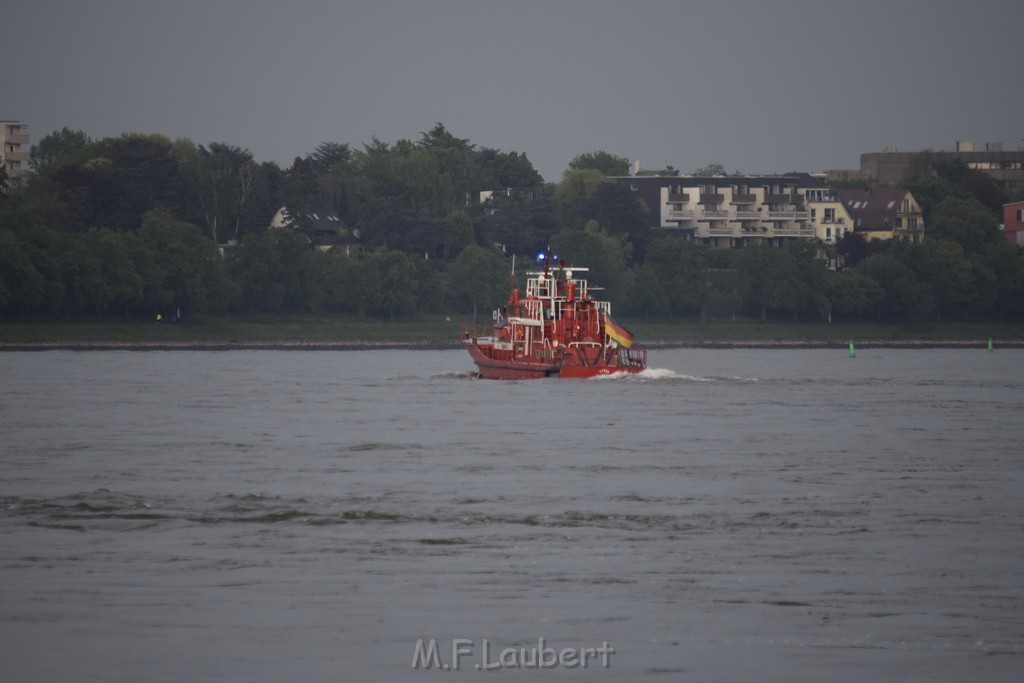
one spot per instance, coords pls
(758, 86)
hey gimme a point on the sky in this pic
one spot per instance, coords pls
(759, 86)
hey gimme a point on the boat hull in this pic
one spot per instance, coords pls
(491, 368)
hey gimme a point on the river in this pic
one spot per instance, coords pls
(729, 515)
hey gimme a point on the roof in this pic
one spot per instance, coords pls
(321, 220)
(874, 208)
(323, 223)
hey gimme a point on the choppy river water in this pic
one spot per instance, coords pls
(730, 515)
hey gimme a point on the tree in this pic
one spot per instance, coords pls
(615, 207)
(329, 157)
(714, 168)
(496, 169)
(113, 251)
(851, 293)
(904, 295)
(605, 255)
(679, 272)
(276, 270)
(603, 162)
(649, 293)
(476, 278)
(60, 147)
(852, 248)
(393, 278)
(769, 279)
(131, 175)
(221, 178)
(331, 164)
(811, 272)
(191, 273)
(1005, 263)
(941, 266)
(964, 221)
(21, 285)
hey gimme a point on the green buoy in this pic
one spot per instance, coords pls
(853, 351)
(990, 344)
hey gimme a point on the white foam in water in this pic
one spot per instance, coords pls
(648, 375)
(662, 373)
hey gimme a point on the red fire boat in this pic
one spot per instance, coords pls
(555, 330)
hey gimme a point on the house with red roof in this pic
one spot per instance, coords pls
(883, 213)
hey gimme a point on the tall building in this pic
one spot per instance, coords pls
(1005, 167)
(729, 211)
(13, 134)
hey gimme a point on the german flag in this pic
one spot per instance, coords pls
(620, 334)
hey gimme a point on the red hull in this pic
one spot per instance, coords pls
(491, 368)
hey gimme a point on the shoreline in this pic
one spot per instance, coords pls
(356, 345)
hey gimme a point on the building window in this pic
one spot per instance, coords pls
(1020, 215)
(830, 215)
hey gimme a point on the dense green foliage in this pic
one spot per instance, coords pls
(132, 226)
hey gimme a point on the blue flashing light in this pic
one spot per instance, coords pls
(541, 256)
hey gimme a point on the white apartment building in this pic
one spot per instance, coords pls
(729, 211)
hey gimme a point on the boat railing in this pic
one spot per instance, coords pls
(633, 357)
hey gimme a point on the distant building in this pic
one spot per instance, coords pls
(13, 135)
(883, 213)
(322, 227)
(1005, 167)
(829, 216)
(727, 211)
(1013, 223)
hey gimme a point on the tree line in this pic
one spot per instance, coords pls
(134, 224)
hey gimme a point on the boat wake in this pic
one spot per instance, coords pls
(649, 375)
(462, 374)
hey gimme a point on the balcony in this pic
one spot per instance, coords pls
(683, 214)
(16, 139)
(715, 215)
(712, 198)
(783, 199)
(16, 156)
(677, 198)
(744, 199)
(794, 231)
(789, 215)
(748, 215)
(721, 231)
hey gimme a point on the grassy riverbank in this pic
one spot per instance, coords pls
(342, 331)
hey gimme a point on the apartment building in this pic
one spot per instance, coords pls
(829, 216)
(13, 147)
(729, 211)
(743, 210)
